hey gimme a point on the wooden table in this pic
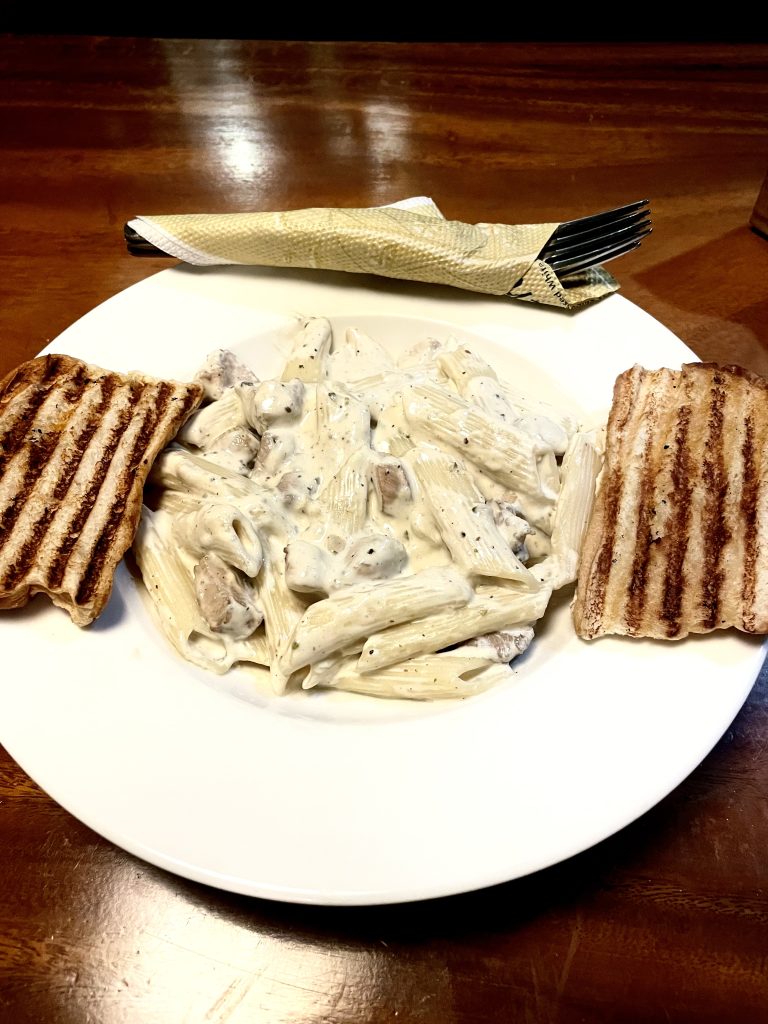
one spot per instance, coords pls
(668, 920)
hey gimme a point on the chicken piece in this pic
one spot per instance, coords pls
(271, 402)
(222, 529)
(392, 488)
(225, 601)
(221, 370)
(274, 450)
(307, 567)
(374, 556)
(513, 528)
(235, 449)
(504, 645)
(297, 489)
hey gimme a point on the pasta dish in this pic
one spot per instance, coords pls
(393, 528)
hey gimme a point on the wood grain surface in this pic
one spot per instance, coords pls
(666, 921)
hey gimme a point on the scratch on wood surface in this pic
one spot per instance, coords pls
(572, 947)
(229, 1000)
(188, 949)
(536, 992)
(338, 995)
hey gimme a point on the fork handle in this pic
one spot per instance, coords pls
(139, 246)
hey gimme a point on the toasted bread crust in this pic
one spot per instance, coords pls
(675, 543)
(76, 445)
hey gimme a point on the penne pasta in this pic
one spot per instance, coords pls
(501, 450)
(581, 466)
(282, 607)
(344, 618)
(210, 422)
(432, 677)
(344, 499)
(463, 517)
(221, 528)
(307, 361)
(393, 529)
(167, 580)
(494, 608)
(178, 469)
(580, 470)
(491, 395)
(343, 425)
(460, 364)
(356, 356)
(170, 586)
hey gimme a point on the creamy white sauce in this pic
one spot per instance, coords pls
(326, 475)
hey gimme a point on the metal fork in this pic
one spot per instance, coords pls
(580, 244)
(576, 246)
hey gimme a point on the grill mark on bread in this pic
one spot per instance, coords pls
(81, 442)
(595, 589)
(13, 438)
(74, 387)
(61, 424)
(38, 452)
(155, 413)
(620, 414)
(748, 510)
(34, 374)
(678, 523)
(111, 447)
(716, 490)
(710, 569)
(163, 405)
(77, 443)
(638, 592)
(39, 455)
(604, 560)
(92, 428)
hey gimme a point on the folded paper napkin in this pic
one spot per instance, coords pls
(410, 240)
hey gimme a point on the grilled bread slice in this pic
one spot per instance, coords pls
(76, 445)
(677, 541)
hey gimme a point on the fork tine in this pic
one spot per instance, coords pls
(598, 256)
(579, 232)
(579, 245)
(637, 220)
(586, 242)
(597, 220)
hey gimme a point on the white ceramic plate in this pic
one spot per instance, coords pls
(330, 798)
